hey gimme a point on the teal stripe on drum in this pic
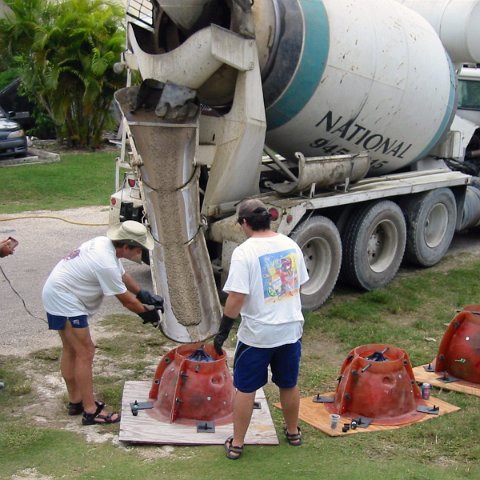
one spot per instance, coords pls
(311, 67)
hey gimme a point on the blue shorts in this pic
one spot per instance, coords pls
(58, 322)
(250, 367)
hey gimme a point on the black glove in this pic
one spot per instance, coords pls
(150, 316)
(225, 327)
(148, 298)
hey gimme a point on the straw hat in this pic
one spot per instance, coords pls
(131, 232)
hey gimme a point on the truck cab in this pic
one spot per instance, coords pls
(469, 94)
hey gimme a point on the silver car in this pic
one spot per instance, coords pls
(13, 142)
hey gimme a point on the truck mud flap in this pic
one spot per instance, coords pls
(164, 153)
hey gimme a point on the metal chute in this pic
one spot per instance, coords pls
(164, 151)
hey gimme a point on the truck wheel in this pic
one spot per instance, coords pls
(320, 242)
(431, 219)
(373, 245)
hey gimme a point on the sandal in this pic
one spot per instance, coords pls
(294, 439)
(96, 418)
(75, 408)
(233, 453)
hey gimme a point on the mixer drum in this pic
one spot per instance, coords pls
(192, 383)
(377, 382)
(459, 351)
(346, 77)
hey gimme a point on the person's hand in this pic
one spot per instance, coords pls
(150, 316)
(219, 339)
(7, 247)
(148, 298)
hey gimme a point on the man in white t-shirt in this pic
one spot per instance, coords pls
(74, 291)
(263, 285)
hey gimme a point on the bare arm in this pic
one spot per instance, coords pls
(233, 304)
(129, 301)
(130, 283)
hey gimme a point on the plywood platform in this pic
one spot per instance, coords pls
(144, 429)
(318, 416)
(435, 379)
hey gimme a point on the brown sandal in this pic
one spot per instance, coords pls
(232, 452)
(293, 439)
(97, 419)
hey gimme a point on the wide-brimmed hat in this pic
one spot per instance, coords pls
(134, 233)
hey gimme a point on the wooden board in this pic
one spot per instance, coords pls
(434, 379)
(144, 429)
(316, 415)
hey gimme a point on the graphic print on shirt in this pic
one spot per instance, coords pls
(73, 254)
(280, 277)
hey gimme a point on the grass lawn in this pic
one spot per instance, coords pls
(78, 180)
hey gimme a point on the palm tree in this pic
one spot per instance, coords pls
(65, 61)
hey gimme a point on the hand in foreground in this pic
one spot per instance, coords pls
(7, 246)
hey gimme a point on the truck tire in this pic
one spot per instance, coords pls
(431, 218)
(321, 245)
(373, 245)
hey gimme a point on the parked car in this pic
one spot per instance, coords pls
(13, 141)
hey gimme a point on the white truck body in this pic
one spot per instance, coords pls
(354, 104)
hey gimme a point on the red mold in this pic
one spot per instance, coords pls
(459, 351)
(192, 383)
(376, 381)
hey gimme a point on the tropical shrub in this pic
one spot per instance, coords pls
(64, 52)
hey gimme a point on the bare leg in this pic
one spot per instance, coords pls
(67, 367)
(242, 414)
(290, 400)
(77, 364)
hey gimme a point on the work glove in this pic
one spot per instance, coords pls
(150, 316)
(225, 327)
(148, 298)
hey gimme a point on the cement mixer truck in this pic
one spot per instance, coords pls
(341, 116)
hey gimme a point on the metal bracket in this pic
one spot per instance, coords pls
(448, 379)
(363, 422)
(430, 410)
(428, 368)
(322, 399)
(136, 406)
(205, 427)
